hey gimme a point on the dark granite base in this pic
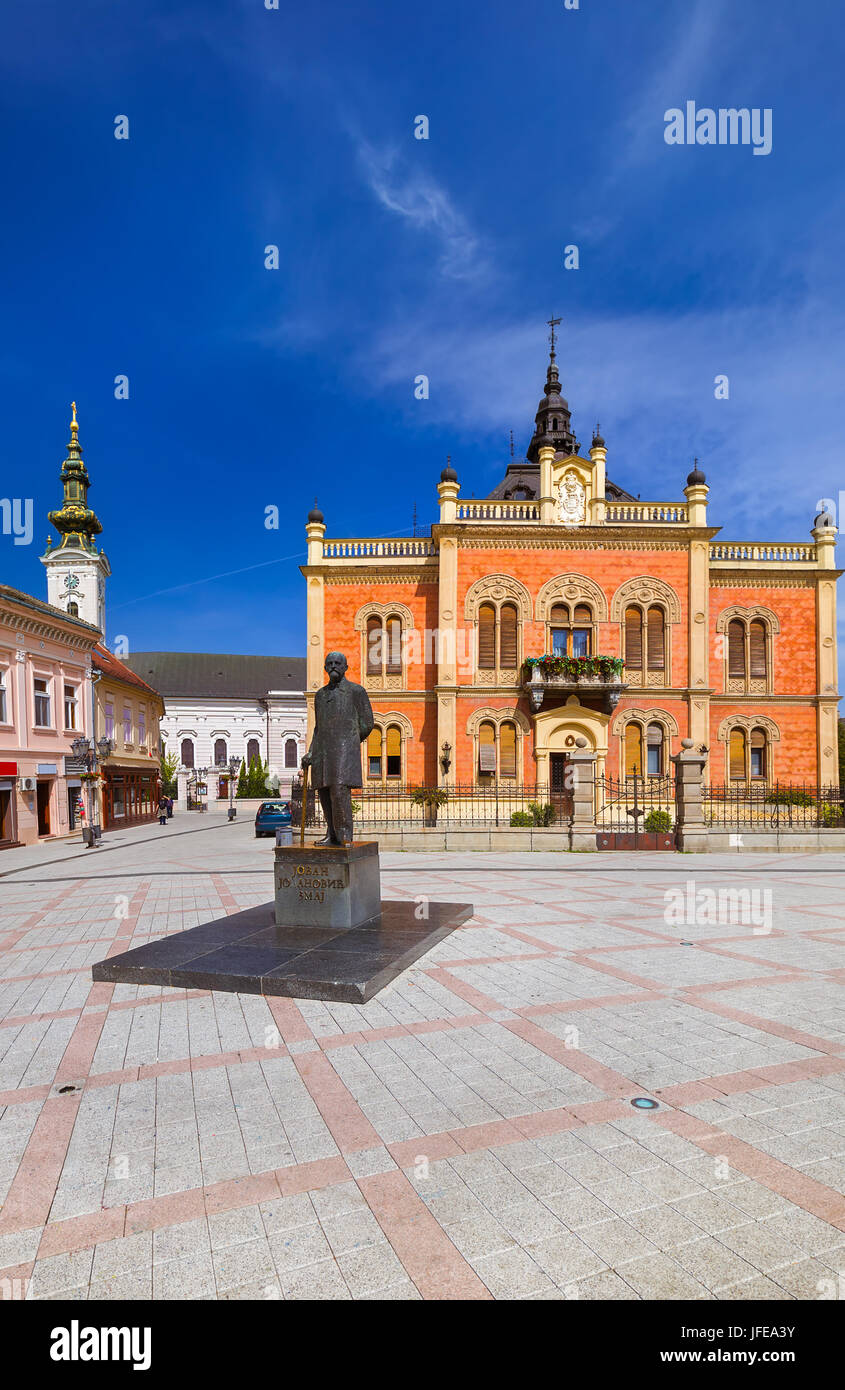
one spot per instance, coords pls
(248, 954)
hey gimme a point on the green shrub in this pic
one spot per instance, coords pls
(522, 818)
(830, 816)
(789, 796)
(543, 812)
(429, 796)
(660, 821)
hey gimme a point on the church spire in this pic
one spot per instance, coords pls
(75, 521)
(551, 423)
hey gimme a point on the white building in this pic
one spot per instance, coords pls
(218, 707)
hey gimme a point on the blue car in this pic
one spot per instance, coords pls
(272, 816)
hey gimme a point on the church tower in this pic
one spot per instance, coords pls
(76, 570)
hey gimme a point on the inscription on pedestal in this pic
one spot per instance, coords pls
(328, 885)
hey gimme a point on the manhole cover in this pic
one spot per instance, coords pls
(644, 1103)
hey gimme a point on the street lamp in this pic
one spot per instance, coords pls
(90, 756)
(234, 764)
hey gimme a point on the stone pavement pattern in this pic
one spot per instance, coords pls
(468, 1133)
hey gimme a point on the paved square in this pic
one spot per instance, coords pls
(468, 1133)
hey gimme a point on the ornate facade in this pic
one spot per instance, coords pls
(562, 608)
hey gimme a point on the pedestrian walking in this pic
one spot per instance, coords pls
(169, 807)
(162, 811)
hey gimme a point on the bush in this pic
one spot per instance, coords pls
(429, 796)
(831, 816)
(522, 818)
(659, 821)
(543, 812)
(790, 796)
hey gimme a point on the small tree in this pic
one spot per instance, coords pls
(243, 781)
(169, 768)
(842, 752)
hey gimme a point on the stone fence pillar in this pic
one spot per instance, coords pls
(689, 807)
(581, 765)
(182, 778)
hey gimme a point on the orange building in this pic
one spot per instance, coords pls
(562, 608)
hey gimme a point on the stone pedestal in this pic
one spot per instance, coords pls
(689, 808)
(331, 886)
(582, 765)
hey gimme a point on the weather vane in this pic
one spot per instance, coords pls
(553, 322)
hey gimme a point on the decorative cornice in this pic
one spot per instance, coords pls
(645, 589)
(747, 615)
(648, 716)
(499, 588)
(748, 722)
(497, 714)
(572, 587)
(383, 610)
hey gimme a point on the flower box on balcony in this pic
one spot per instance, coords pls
(591, 674)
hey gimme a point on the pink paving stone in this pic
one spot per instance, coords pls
(550, 1122)
(604, 1001)
(171, 1210)
(485, 1136)
(34, 1185)
(240, 1192)
(605, 1078)
(344, 1118)
(288, 1019)
(433, 1146)
(749, 981)
(429, 1257)
(767, 1025)
(605, 968)
(472, 996)
(15, 1274)
(24, 1095)
(80, 1232)
(311, 1177)
(79, 1053)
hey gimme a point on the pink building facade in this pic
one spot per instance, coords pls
(45, 703)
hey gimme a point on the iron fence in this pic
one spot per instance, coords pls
(781, 806)
(635, 804)
(395, 806)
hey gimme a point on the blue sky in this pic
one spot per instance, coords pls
(251, 387)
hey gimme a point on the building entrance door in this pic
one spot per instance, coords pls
(560, 786)
(42, 803)
(7, 828)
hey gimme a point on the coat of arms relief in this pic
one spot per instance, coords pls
(572, 499)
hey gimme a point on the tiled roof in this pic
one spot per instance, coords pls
(189, 675)
(103, 660)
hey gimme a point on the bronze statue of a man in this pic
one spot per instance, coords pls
(344, 718)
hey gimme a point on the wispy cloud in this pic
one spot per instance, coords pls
(415, 197)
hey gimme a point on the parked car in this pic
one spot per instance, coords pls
(272, 816)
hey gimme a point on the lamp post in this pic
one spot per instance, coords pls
(234, 764)
(91, 755)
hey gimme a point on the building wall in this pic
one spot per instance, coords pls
(52, 650)
(135, 762)
(237, 721)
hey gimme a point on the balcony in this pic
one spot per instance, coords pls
(585, 676)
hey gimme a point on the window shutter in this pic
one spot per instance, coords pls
(559, 616)
(583, 615)
(633, 749)
(656, 643)
(737, 753)
(507, 750)
(394, 751)
(487, 748)
(394, 646)
(757, 643)
(758, 746)
(633, 639)
(736, 649)
(487, 637)
(374, 646)
(507, 636)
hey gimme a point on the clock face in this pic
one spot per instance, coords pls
(72, 581)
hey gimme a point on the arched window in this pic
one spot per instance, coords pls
(633, 749)
(571, 632)
(757, 650)
(645, 643)
(394, 750)
(507, 750)
(73, 610)
(736, 650)
(290, 752)
(633, 639)
(487, 637)
(737, 755)
(252, 751)
(384, 646)
(655, 738)
(757, 753)
(220, 753)
(508, 636)
(487, 752)
(374, 753)
(186, 752)
(656, 644)
(374, 646)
